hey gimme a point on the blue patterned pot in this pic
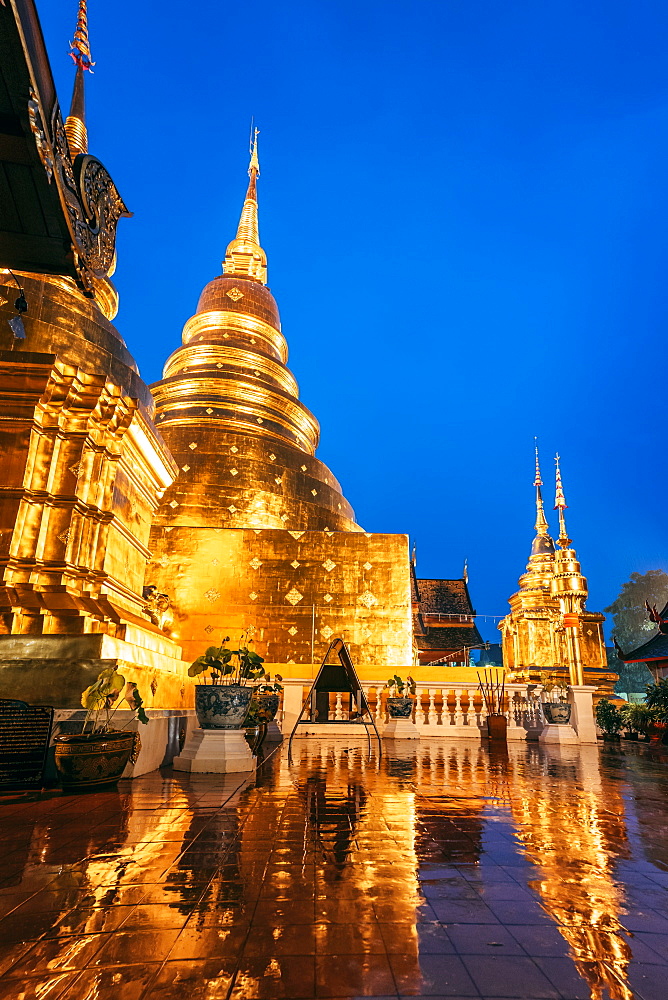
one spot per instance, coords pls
(222, 706)
(400, 708)
(557, 713)
(263, 708)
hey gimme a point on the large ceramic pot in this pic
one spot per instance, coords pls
(400, 708)
(497, 727)
(222, 706)
(90, 761)
(263, 708)
(557, 713)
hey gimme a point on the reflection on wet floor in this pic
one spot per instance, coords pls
(442, 869)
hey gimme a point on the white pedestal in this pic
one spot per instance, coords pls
(558, 734)
(581, 697)
(401, 729)
(274, 734)
(215, 751)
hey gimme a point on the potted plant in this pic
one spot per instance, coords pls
(554, 702)
(656, 699)
(609, 719)
(401, 695)
(639, 719)
(223, 702)
(265, 701)
(99, 753)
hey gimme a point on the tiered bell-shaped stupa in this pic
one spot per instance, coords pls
(256, 530)
(229, 408)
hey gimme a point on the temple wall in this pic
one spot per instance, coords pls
(298, 588)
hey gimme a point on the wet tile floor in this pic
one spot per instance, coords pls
(440, 870)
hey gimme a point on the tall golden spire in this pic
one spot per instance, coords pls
(244, 255)
(75, 123)
(542, 542)
(560, 504)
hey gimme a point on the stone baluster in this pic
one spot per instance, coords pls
(419, 711)
(379, 708)
(459, 713)
(338, 712)
(433, 714)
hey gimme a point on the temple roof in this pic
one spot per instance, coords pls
(444, 597)
(655, 649)
(449, 639)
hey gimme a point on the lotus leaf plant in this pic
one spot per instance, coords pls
(103, 698)
(221, 665)
(399, 688)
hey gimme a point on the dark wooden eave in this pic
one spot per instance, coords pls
(34, 234)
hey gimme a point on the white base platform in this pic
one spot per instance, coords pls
(401, 729)
(215, 751)
(558, 734)
(334, 730)
(274, 734)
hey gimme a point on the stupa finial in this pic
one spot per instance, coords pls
(560, 504)
(75, 123)
(244, 255)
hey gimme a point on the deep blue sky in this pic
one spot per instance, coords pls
(464, 209)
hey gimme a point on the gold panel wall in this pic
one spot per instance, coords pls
(298, 588)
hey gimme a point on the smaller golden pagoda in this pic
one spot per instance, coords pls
(548, 627)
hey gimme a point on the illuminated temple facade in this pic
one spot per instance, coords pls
(548, 627)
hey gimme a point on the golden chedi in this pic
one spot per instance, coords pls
(548, 627)
(84, 466)
(256, 529)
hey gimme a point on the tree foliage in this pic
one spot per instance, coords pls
(631, 625)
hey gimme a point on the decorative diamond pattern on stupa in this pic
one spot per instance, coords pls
(235, 294)
(253, 340)
(64, 536)
(328, 532)
(212, 595)
(326, 632)
(272, 457)
(284, 518)
(234, 472)
(293, 596)
(76, 468)
(314, 493)
(253, 595)
(232, 508)
(367, 633)
(209, 629)
(257, 374)
(185, 468)
(328, 565)
(327, 482)
(296, 534)
(339, 506)
(173, 503)
(214, 562)
(303, 468)
(219, 365)
(192, 445)
(367, 566)
(292, 631)
(234, 449)
(295, 564)
(226, 336)
(260, 420)
(278, 480)
(368, 600)
(328, 598)
(255, 563)
(209, 410)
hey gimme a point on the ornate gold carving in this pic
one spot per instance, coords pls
(136, 749)
(253, 596)
(328, 565)
(173, 504)
(367, 566)
(234, 472)
(296, 534)
(209, 629)
(328, 598)
(185, 468)
(235, 294)
(255, 563)
(37, 128)
(192, 445)
(212, 595)
(293, 630)
(293, 596)
(295, 564)
(368, 600)
(234, 449)
(326, 632)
